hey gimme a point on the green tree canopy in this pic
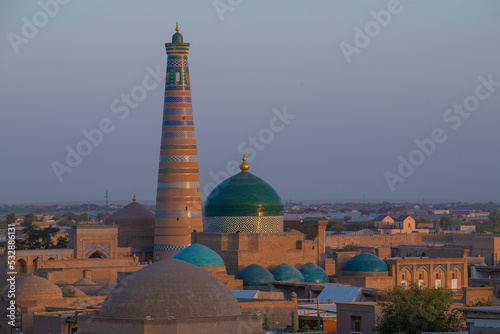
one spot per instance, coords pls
(416, 310)
(30, 218)
(36, 238)
(11, 218)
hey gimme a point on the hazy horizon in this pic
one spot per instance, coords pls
(391, 100)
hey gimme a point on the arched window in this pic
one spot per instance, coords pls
(420, 276)
(97, 255)
(453, 275)
(21, 265)
(403, 276)
(177, 77)
(437, 275)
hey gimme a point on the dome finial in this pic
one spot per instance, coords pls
(133, 199)
(176, 25)
(244, 166)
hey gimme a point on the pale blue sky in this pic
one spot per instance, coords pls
(352, 119)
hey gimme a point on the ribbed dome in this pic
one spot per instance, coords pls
(313, 273)
(132, 214)
(36, 288)
(255, 275)
(365, 262)
(285, 272)
(200, 256)
(170, 288)
(243, 194)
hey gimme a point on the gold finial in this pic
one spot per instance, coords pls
(244, 166)
(133, 198)
(176, 26)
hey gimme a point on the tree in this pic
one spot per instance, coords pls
(445, 221)
(36, 238)
(29, 218)
(68, 291)
(417, 310)
(11, 218)
(62, 242)
(65, 222)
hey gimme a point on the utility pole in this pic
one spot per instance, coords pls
(106, 203)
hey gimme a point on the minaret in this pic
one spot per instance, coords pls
(178, 201)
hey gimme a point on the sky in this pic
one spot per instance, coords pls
(330, 100)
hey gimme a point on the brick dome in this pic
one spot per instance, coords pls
(36, 288)
(170, 288)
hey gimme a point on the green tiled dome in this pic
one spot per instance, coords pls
(200, 256)
(314, 274)
(285, 272)
(177, 38)
(243, 194)
(255, 275)
(365, 262)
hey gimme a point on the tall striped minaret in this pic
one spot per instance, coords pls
(178, 201)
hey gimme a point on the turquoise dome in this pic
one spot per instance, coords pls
(285, 272)
(243, 194)
(177, 38)
(255, 275)
(314, 274)
(200, 256)
(365, 262)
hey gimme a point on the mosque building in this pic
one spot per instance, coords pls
(242, 242)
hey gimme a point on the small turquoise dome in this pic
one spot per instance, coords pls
(365, 262)
(243, 194)
(314, 274)
(177, 37)
(285, 272)
(200, 256)
(255, 275)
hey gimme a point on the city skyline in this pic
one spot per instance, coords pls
(392, 100)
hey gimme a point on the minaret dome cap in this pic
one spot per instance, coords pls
(177, 37)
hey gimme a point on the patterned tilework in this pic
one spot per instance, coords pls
(178, 158)
(178, 174)
(169, 248)
(177, 135)
(178, 123)
(269, 224)
(178, 185)
(178, 214)
(177, 62)
(177, 99)
(178, 112)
